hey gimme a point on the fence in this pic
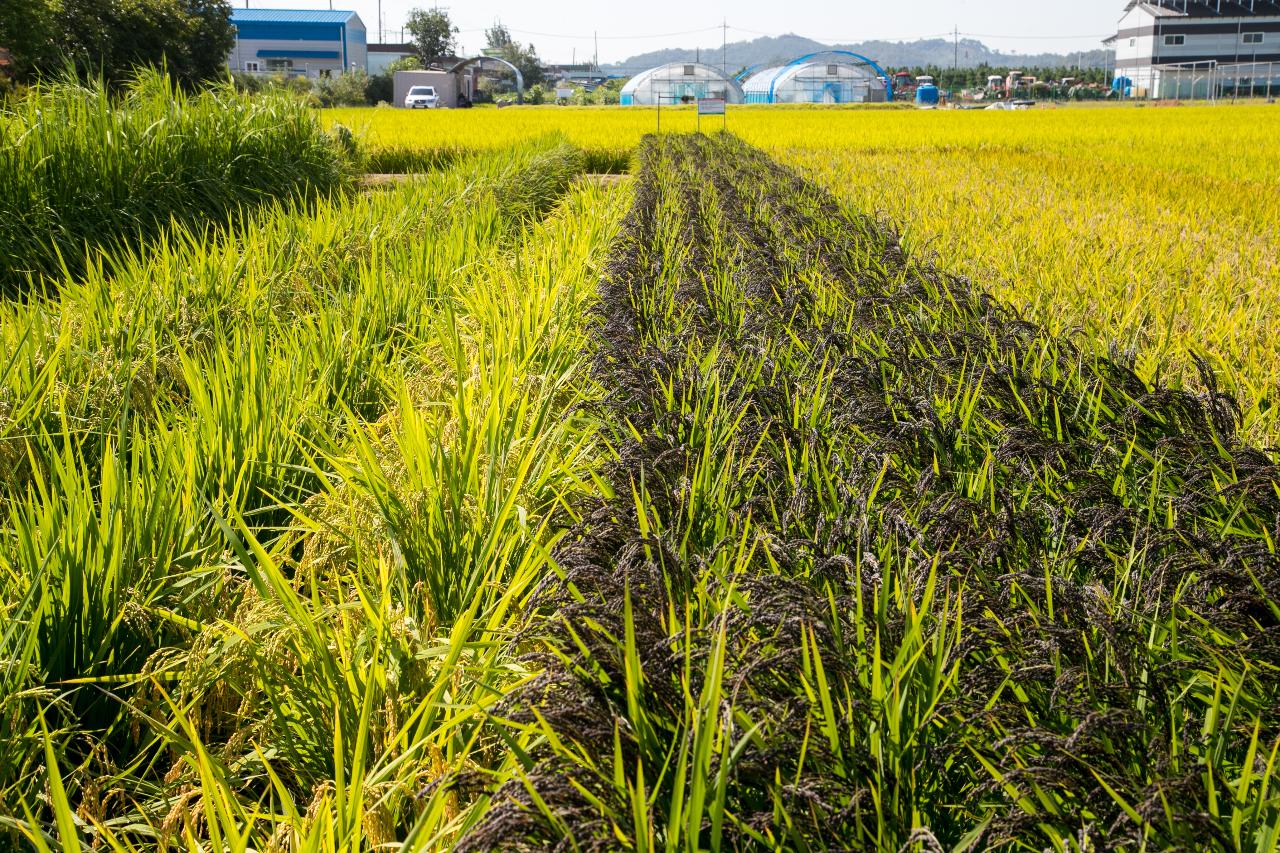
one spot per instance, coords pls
(1212, 81)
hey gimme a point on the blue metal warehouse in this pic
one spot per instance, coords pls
(829, 77)
(311, 43)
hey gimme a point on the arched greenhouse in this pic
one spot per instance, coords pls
(831, 77)
(680, 82)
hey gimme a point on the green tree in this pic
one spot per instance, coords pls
(498, 36)
(404, 63)
(502, 45)
(190, 38)
(211, 39)
(381, 87)
(29, 31)
(433, 33)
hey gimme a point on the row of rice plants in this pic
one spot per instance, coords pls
(1169, 265)
(276, 498)
(1152, 230)
(881, 565)
(87, 170)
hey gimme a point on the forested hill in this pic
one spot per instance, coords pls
(773, 50)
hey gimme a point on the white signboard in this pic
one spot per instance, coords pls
(564, 93)
(710, 106)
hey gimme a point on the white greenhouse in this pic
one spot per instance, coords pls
(831, 77)
(680, 82)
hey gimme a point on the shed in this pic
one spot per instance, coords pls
(382, 55)
(445, 83)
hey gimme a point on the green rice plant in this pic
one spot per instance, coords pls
(285, 676)
(1123, 223)
(881, 565)
(474, 514)
(87, 171)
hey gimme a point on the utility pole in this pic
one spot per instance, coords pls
(595, 60)
(955, 63)
(1235, 69)
(724, 46)
(380, 33)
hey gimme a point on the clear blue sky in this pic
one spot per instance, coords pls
(558, 28)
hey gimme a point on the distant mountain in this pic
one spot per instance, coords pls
(775, 50)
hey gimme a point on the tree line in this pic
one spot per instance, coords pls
(110, 38)
(191, 39)
(434, 37)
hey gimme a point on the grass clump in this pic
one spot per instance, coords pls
(88, 170)
(235, 607)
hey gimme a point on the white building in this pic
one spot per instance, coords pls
(382, 55)
(1199, 48)
(298, 42)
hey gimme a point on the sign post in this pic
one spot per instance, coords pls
(675, 99)
(712, 107)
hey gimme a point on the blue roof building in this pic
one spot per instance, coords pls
(293, 42)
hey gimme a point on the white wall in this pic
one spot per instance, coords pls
(246, 51)
(379, 60)
(446, 85)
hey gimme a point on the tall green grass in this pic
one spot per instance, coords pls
(231, 592)
(87, 170)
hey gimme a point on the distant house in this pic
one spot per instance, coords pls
(382, 55)
(1198, 48)
(298, 43)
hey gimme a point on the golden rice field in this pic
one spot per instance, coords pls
(847, 483)
(1154, 228)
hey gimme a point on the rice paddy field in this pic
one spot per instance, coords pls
(856, 480)
(1154, 229)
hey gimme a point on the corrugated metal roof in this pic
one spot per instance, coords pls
(290, 16)
(1208, 8)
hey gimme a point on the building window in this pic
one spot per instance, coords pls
(833, 70)
(279, 64)
(1251, 38)
(689, 71)
(252, 66)
(325, 73)
(1133, 42)
(1175, 41)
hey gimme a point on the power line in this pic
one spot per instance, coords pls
(833, 40)
(1053, 38)
(824, 40)
(724, 27)
(589, 37)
